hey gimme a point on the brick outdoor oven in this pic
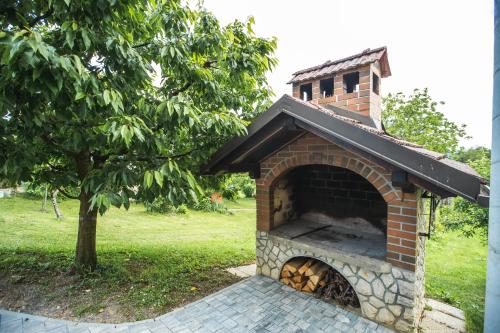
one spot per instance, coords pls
(334, 186)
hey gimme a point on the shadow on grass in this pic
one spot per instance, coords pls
(126, 286)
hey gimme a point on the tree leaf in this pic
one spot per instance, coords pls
(106, 97)
(86, 39)
(148, 179)
(70, 38)
(158, 178)
(139, 134)
(80, 95)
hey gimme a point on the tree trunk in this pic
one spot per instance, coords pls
(58, 212)
(44, 202)
(86, 256)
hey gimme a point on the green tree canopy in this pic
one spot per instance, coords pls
(415, 118)
(79, 107)
(464, 215)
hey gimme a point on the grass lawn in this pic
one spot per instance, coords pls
(456, 274)
(152, 263)
(149, 263)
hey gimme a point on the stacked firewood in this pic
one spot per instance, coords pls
(304, 274)
(313, 276)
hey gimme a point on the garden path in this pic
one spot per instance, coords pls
(257, 304)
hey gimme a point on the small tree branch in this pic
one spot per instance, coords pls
(49, 141)
(56, 168)
(152, 158)
(99, 159)
(183, 154)
(181, 89)
(40, 18)
(142, 44)
(207, 64)
(66, 194)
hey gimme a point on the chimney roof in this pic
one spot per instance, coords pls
(330, 67)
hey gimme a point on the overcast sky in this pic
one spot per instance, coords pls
(446, 46)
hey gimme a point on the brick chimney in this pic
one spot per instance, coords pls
(351, 83)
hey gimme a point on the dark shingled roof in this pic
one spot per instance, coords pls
(331, 67)
(289, 118)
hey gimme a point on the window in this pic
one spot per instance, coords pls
(375, 84)
(351, 82)
(326, 87)
(306, 92)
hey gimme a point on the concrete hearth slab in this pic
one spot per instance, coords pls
(445, 308)
(243, 271)
(441, 317)
(256, 304)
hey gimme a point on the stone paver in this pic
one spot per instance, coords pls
(243, 271)
(258, 304)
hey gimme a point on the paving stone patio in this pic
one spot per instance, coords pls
(257, 304)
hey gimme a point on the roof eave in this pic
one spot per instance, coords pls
(235, 142)
(335, 130)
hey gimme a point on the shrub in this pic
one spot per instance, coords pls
(463, 215)
(239, 185)
(182, 209)
(159, 205)
(207, 204)
(467, 217)
(230, 192)
(249, 189)
(162, 206)
(34, 191)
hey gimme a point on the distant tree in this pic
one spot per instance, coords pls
(464, 215)
(415, 118)
(79, 107)
(467, 155)
(36, 190)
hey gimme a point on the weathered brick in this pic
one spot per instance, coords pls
(392, 255)
(319, 147)
(401, 234)
(400, 249)
(394, 225)
(408, 243)
(400, 264)
(408, 259)
(394, 240)
(402, 218)
(393, 209)
(409, 227)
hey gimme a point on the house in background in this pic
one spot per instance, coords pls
(334, 190)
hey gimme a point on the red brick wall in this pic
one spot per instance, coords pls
(364, 101)
(310, 149)
(337, 192)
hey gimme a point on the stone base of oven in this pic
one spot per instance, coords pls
(387, 294)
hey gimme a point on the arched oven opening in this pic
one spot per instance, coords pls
(330, 207)
(316, 277)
